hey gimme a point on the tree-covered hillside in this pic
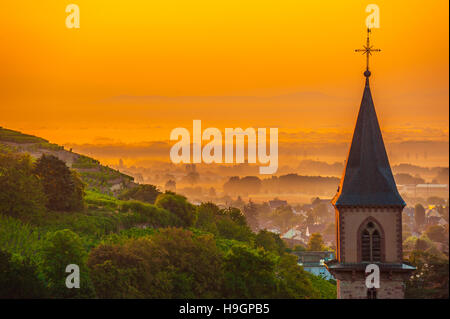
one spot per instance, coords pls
(96, 176)
(139, 244)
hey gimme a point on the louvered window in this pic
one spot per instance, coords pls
(371, 243)
(376, 246)
(365, 245)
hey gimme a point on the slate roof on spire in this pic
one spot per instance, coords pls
(367, 179)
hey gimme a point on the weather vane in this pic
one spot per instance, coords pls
(367, 50)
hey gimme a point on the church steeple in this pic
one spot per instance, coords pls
(368, 210)
(367, 179)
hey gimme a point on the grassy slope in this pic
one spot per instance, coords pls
(96, 176)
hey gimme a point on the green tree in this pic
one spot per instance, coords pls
(21, 193)
(179, 206)
(424, 244)
(227, 228)
(76, 200)
(270, 242)
(195, 262)
(228, 223)
(430, 280)
(250, 211)
(206, 217)
(293, 281)
(325, 288)
(436, 233)
(409, 243)
(235, 214)
(299, 248)
(249, 273)
(19, 278)
(118, 272)
(63, 188)
(143, 192)
(316, 242)
(60, 249)
(419, 215)
(284, 217)
(170, 264)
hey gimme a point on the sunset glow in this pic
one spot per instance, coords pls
(137, 69)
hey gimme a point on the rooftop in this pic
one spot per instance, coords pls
(334, 264)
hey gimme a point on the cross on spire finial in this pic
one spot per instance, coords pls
(367, 50)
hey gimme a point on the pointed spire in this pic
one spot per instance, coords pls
(367, 179)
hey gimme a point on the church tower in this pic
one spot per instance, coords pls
(368, 212)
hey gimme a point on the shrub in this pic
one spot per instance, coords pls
(227, 228)
(270, 242)
(99, 200)
(60, 249)
(170, 264)
(21, 193)
(179, 206)
(18, 238)
(63, 188)
(147, 213)
(144, 192)
(206, 217)
(19, 278)
(249, 273)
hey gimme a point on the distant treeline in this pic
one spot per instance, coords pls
(290, 183)
(315, 185)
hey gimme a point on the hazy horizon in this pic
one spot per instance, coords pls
(131, 74)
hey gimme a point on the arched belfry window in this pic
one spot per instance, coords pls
(371, 242)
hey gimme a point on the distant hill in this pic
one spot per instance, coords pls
(97, 176)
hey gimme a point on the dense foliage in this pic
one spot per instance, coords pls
(144, 245)
(316, 242)
(144, 193)
(178, 205)
(21, 193)
(430, 280)
(63, 187)
(19, 278)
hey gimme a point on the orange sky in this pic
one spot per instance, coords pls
(137, 69)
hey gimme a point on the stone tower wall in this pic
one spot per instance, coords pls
(390, 221)
(389, 289)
